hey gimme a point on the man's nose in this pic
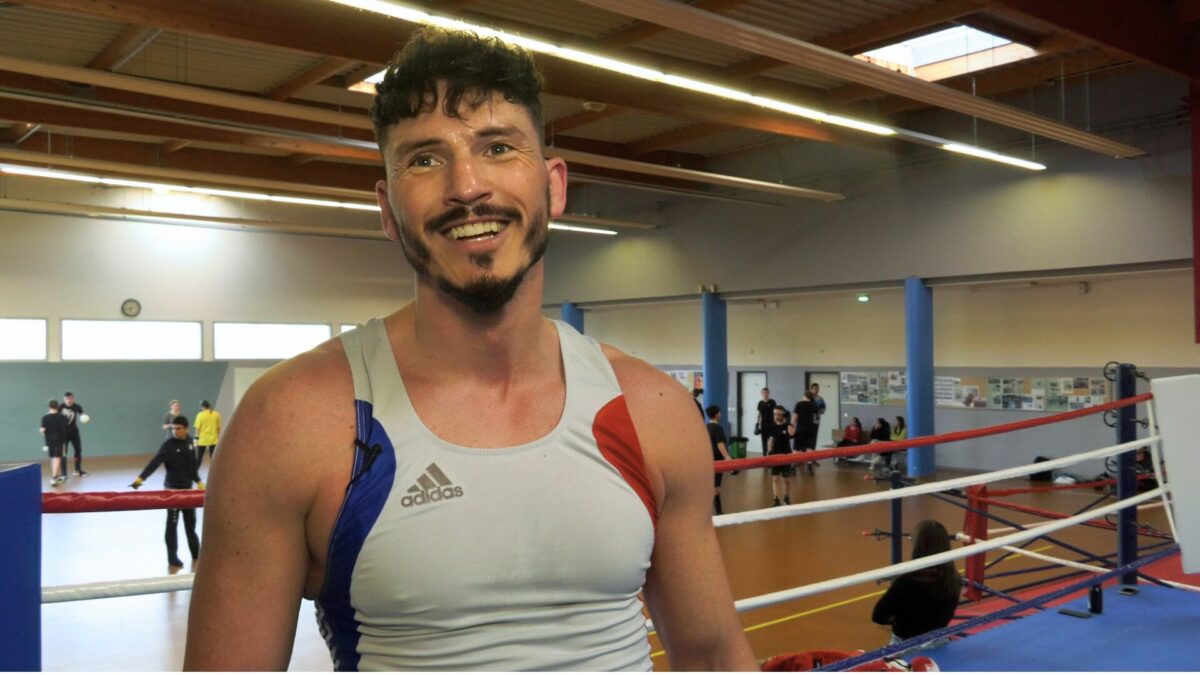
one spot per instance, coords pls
(467, 182)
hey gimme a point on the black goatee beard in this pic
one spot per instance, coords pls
(488, 294)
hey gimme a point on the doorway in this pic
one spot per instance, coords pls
(831, 392)
(750, 386)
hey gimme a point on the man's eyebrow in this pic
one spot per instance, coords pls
(499, 130)
(410, 147)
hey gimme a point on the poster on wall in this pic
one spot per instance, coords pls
(860, 388)
(943, 390)
(894, 389)
(688, 379)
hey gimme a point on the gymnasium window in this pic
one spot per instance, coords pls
(22, 339)
(131, 340)
(266, 340)
(347, 327)
(948, 53)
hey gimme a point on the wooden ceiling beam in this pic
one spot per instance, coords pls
(643, 30)
(105, 97)
(173, 146)
(580, 119)
(63, 117)
(320, 71)
(195, 166)
(333, 30)
(873, 35)
(126, 45)
(18, 133)
(1148, 31)
(1049, 45)
(676, 137)
(723, 30)
(1001, 81)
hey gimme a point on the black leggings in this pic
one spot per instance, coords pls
(189, 528)
(212, 452)
(73, 439)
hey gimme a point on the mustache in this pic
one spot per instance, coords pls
(458, 213)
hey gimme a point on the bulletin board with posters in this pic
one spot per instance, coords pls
(1050, 394)
(689, 379)
(860, 388)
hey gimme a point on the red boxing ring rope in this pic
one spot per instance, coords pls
(953, 436)
(87, 502)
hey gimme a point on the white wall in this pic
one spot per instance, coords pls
(1138, 318)
(59, 267)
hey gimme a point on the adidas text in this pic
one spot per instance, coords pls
(432, 495)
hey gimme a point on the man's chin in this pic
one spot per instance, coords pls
(484, 296)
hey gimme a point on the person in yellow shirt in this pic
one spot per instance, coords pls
(208, 430)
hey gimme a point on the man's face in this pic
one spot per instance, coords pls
(175, 408)
(69, 400)
(816, 388)
(469, 199)
(180, 430)
(779, 417)
(766, 394)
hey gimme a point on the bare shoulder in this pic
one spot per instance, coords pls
(291, 420)
(647, 389)
(669, 429)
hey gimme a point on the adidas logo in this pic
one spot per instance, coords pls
(432, 486)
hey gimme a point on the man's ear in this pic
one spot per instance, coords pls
(556, 170)
(387, 219)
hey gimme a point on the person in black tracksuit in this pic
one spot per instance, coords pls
(73, 412)
(54, 432)
(178, 454)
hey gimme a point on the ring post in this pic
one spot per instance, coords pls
(897, 523)
(1126, 472)
(918, 350)
(572, 316)
(716, 354)
(20, 568)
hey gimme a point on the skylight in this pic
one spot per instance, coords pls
(946, 53)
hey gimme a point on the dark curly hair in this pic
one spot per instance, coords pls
(473, 68)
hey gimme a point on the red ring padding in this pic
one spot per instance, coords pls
(88, 502)
(890, 446)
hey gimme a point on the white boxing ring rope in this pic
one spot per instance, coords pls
(1071, 563)
(772, 513)
(89, 591)
(778, 597)
(117, 589)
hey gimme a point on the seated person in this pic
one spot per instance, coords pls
(881, 433)
(852, 435)
(899, 429)
(924, 600)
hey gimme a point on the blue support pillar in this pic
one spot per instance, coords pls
(918, 344)
(21, 568)
(716, 354)
(572, 316)
(1127, 538)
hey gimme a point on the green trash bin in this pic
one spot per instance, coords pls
(737, 447)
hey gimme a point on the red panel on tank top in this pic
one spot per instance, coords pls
(618, 442)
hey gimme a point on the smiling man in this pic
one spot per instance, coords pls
(525, 540)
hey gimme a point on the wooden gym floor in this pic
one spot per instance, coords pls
(147, 633)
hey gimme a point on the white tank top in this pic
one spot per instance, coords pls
(524, 558)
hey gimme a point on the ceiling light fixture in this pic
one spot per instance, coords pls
(994, 156)
(34, 172)
(414, 15)
(863, 297)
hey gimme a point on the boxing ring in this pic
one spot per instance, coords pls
(983, 641)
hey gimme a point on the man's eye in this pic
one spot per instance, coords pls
(422, 161)
(498, 148)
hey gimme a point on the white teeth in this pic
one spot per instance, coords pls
(474, 230)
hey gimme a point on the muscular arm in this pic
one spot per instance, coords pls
(686, 589)
(256, 557)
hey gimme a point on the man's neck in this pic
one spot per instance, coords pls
(511, 342)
